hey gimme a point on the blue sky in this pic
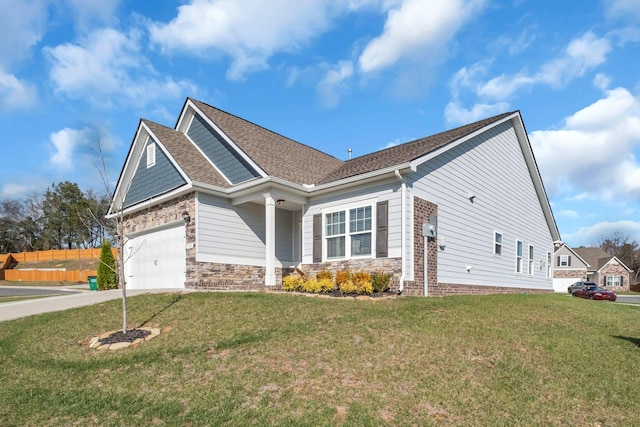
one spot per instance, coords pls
(333, 74)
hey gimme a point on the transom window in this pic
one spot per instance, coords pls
(354, 235)
(497, 243)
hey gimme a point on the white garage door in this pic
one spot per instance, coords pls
(561, 285)
(157, 259)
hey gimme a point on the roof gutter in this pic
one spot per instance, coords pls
(403, 210)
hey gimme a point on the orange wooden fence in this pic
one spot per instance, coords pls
(60, 254)
(49, 275)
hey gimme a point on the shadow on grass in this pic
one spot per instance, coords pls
(635, 341)
(174, 299)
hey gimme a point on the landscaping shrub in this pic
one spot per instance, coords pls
(347, 287)
(362, 282)
(324, 274)
(292, 283)
(107, 276)
(317, 286)
(342, 276)
(380, 281)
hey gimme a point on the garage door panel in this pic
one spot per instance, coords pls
(157, 259)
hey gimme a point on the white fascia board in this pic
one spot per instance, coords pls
(226, 138)
(128, 170)
(359, 179)
(146, 204)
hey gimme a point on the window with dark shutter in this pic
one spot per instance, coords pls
(382, 233)
(317, 238)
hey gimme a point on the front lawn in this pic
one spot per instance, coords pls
(280, 359)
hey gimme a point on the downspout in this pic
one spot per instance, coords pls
(403, 232)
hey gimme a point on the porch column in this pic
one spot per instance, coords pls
(270, 240)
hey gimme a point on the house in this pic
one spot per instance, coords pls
(589, 264)
(218, 202)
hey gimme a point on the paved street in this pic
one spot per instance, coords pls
(20, 291)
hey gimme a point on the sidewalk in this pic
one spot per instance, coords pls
(30, 307)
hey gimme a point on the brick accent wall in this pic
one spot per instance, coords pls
(392, 266)
(421, 211)
(448, 289)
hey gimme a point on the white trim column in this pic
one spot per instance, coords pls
(270, 240)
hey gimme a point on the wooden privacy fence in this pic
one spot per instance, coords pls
(49, 275)
(60, 254)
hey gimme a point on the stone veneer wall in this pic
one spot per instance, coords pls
(566, 274)
(615, 270)
(161, 214)
(392, 266)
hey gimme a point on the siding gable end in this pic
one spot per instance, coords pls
(148, 182)
(227, 160)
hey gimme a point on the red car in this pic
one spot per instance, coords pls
(594, 292)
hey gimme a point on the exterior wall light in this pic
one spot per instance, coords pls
(186, 217)
(280, 202)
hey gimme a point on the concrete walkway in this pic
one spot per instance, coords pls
(30, 307)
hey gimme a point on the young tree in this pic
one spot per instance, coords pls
(107, 273)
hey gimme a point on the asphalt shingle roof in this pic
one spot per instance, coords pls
(596, 257)
(277, 155)
(192, 162)
(405, 152)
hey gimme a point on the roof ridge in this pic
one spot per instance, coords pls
(261, 127)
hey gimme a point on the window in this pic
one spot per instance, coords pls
(497, 243)
(613, 280)
(151, 155)
(354, 235)
(548, 265)
(518, 256)
(530, 259)
(564, 261)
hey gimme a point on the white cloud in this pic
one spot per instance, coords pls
(580, 55)
(628, 9)
(89, 13)
(594, 233)
(250, 32)
(569, 213)
(107, 67)
(593, 154)
(415, 30)
(67, 142)
(15, 94)
(22, 25)
(333, 82)
(455, 113)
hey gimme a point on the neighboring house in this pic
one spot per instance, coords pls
(589, 264)
(221, 203)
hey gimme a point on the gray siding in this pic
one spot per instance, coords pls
(153, 181)
(236, 234)
(223, 156)
(385, 191)
(492, 167)
(576, 263)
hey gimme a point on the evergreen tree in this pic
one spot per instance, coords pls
(107, 276)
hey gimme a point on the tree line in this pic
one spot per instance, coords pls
(63, 217)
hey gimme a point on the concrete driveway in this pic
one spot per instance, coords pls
(72, 299)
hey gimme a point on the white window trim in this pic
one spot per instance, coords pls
(549, 265)
(564, 261)
(613, 282)
(530, 259)
(347, 243)
(519, 258)
(495, 242)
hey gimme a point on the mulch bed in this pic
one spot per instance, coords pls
(130, 336)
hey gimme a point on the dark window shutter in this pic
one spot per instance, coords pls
(569, 262)
(621, 280)
(317, 238)
(382, 233)
(558, 260)
(604, 280)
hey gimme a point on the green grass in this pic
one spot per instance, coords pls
(279, 359)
